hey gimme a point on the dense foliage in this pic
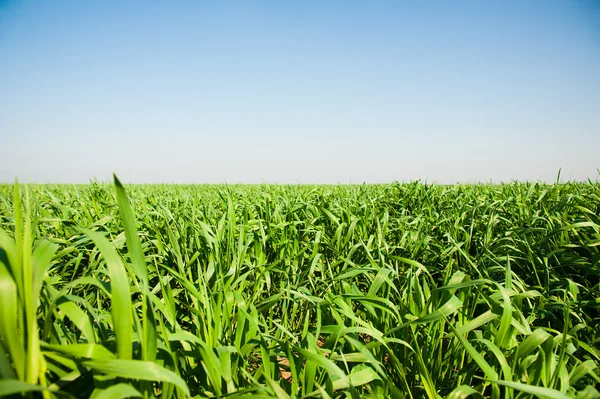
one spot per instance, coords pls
(400, 290)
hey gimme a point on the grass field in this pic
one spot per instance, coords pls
(400, 290)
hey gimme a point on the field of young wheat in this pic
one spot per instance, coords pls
(399, 290)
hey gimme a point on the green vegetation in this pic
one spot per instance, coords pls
(403, 290)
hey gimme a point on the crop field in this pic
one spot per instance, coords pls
(401, 290)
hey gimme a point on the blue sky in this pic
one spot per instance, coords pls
(299, 91)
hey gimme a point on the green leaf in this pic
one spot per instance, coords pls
(463, 391)
(323, 362)
(477, 322)
(136, 253)
(360, 375)
(121, 308)
(533, 341)
(582, 370)
(588, 392)
(534, 390)
(134, 245)
(85, 351)
(475, 355)
(137, 370)
(118, 391)
(14, 387)
(79, 318)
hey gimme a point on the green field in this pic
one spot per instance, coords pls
(399, 290)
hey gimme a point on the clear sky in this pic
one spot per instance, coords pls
(299, 91)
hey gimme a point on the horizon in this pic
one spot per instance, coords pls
(558, 180)
(267, 92)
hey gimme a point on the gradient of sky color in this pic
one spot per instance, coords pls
(299, 91)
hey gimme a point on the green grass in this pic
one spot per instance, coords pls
(400, 290)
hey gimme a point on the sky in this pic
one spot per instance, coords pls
(299, 91)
